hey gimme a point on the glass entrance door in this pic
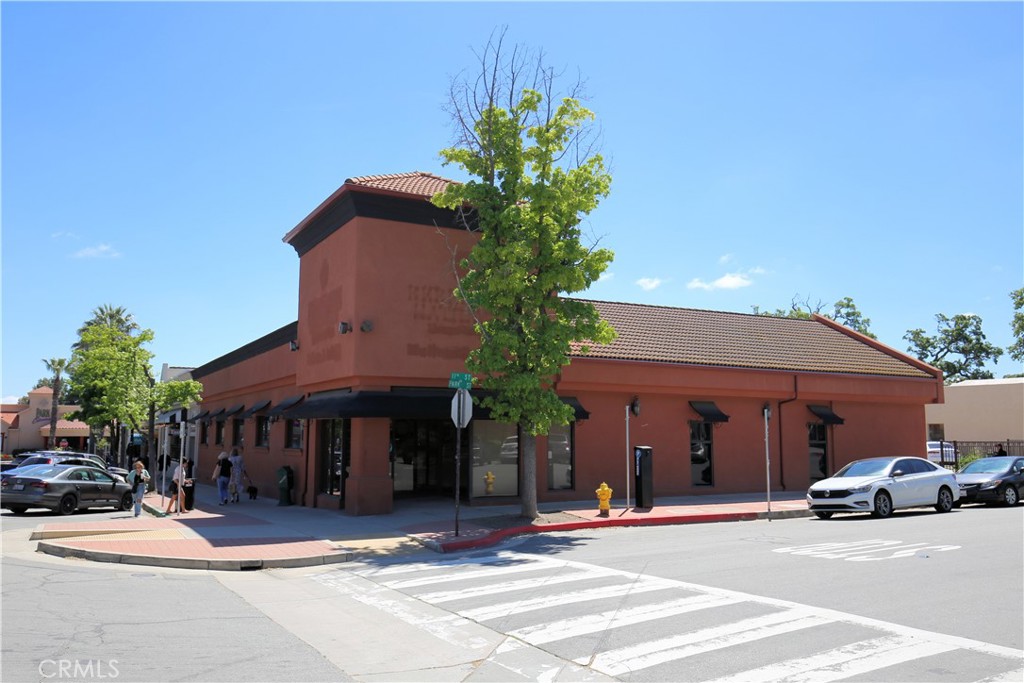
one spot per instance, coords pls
(423, 457)
(333, 459)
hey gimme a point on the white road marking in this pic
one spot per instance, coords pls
(512, 586)
(860, 551)
(836, 663)
(546, 602)
(538, 634)
(654, 652)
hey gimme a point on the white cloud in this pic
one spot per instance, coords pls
(102, 251)
(724, 258)
(63, 235)
(9, 399)
(605, 276)
(649, 283)
(727, 281)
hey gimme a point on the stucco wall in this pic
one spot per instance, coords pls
(981, 410)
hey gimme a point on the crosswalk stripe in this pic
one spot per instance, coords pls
(413, 567)
(651, 653)
(816, 664)
(864, 665)
(510, 586)
(539, 634)
(532, 604)
(469, 575)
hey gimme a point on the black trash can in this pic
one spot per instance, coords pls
(189, 487)
(285, 482)
(644, 476)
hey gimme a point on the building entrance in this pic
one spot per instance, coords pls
(334, 457)
(423, 457)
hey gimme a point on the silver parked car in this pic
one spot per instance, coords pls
(64, 489)
(881, 485)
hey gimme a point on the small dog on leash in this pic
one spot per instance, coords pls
(252, 492)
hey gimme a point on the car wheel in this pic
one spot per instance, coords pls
(883, 505)
(823, 515)
(945, 501)
(68, 504)
(18, 509)
(127, 500)
(1009, 496)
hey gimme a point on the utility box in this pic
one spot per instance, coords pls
(643, 470)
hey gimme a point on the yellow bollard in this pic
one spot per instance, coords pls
(489, 482)
(604, 499)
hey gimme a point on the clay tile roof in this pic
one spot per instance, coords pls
(415, 183)
(697, 337)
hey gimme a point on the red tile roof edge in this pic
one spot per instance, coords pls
(874, 343)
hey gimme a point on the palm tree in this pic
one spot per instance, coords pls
(56, 366)
(109, 316)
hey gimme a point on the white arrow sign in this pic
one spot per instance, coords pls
(462, 408)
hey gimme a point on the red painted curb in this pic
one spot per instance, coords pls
(501, 534)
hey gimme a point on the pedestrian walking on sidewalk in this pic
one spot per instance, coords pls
(138, 478)
(237, 474)
(176, 490)
(222, 475)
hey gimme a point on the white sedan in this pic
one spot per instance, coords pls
(881, 485)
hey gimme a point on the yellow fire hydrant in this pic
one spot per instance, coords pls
(604, 499)
(489, 482)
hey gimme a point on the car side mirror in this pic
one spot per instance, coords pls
(898, 473)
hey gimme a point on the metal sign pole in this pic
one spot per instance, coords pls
(458, 458)
(767, 461)
(628, 456)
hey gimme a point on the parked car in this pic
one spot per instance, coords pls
(71, 458)
(14, 461)
(881, 485)
(992, 480)
(64, 489)
(941, 451)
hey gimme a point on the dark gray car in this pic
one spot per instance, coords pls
(992, 480)
(64, 489)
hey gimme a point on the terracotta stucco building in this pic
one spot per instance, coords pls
(353, 395)
(27, 427)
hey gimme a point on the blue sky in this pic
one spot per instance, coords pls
(154, 155)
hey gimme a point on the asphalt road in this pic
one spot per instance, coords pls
(919, 597)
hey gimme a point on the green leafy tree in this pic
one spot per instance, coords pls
(57, 366)
(844, 312)
(958, 348)
(533, 183)
(1016, 349)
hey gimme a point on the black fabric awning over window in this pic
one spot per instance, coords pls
(200, 416)
(219, 415)
(257, 407)
(401, 403)
(709, 411)
(825, 414)
(285, 405)
(233, 410)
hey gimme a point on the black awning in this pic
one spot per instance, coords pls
(232, 410)
(219, 415)
(200, 416)
(170, 417)
(285, 405)
(826, 415)
(428, 404)
(257, 407)
(709, 411)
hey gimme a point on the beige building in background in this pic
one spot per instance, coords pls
(979, 410)
(27, 427)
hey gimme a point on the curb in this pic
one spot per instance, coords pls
(59, 550)
(501, 534)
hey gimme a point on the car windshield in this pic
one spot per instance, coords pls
(865, 468)
(987, 466)
(40, 471)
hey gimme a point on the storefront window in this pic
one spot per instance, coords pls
(262, 431)
(218, 435)
(560, 457)
(293, 434)
(204, 433)
(817, 443)
(238, 432)
(494, 467)
(701, 471)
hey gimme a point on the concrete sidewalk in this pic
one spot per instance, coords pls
(260, 534)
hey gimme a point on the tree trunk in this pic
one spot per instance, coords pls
(151, 435)
(528, 494)
(53, 412)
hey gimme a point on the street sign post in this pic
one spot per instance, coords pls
(462, 412)
(460, 380)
